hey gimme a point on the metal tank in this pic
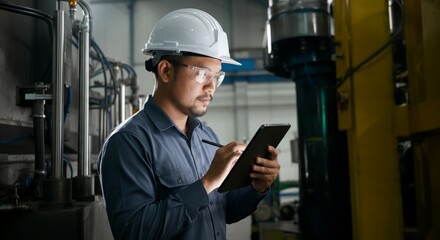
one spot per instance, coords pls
(300, 18)
(295, 28)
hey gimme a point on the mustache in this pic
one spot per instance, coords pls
(206, 95)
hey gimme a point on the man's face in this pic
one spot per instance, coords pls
(194, 84)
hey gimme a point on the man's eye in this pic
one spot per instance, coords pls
(200, 74)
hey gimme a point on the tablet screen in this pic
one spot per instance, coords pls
(267, 134)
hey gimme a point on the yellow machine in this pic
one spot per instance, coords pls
(375, 124)
(387, 86)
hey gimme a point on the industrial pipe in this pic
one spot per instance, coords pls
(40, 154)
(57, 189)
(83, 141)
(83, 183)
(58, 98)
(121, 102)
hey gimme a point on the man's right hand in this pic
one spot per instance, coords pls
(224, 159)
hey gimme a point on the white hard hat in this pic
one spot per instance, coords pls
(188, 30)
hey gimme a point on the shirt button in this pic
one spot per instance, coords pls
(211, 203)
(179, 180)
(218, 234)
(201, 175)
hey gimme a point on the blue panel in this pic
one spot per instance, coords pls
(248, 66)
(255, 79)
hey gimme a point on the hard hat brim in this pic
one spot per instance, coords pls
(229, 60)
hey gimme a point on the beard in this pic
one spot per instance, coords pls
(192, 110)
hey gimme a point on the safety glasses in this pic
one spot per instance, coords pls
(202, 75)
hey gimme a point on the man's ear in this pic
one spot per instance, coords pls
(164, 69)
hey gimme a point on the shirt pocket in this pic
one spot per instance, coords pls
(177, 178)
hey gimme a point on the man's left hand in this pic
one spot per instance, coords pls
(265, 171)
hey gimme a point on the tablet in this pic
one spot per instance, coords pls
(267, 134)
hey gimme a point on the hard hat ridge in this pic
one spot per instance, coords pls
(188, 30)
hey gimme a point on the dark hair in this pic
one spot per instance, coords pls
(149, 63)
(171, 58)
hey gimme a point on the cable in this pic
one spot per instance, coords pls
(104, 72)
(27, 11)
(393, 38)
(36, 14)
(112, 75)
(99, 56)
(106, 65)
(351, 71)
(88, 11)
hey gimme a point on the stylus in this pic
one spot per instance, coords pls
(212, 143)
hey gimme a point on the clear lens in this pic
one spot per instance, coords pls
(203, 75)
(218, 79)
(199, 74)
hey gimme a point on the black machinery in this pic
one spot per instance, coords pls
(300, 46)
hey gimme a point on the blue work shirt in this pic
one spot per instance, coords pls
(150, 174)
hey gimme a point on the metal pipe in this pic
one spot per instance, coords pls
(58, 97)
(134, 92)
(40, 154)
(131, 28)
(83, 141)
(391, 15)
(119, 107)
(115, 108)
(87, 11)
(84, 82)
(101, 126)
(38, 117)
(121, 102)
(105, 122)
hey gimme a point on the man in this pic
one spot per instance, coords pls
(159, 180)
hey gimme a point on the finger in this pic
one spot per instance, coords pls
(267, 178)
(232, 147)
(235, 146)
(268, 163)
(239, 147)
(273, 152)
(264, 170)
(233, 157)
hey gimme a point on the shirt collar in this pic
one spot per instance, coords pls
(161, 119)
